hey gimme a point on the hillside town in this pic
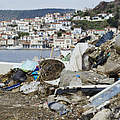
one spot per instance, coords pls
(52, 30)
(62, 65)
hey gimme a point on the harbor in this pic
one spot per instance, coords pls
(17, 56)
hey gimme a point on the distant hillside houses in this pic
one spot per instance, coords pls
(98, 17)
(51, 30)
(35, 32)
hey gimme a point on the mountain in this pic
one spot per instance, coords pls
(21, 14)
(108, 7)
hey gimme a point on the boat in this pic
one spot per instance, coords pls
(56, 49)
(14, 47)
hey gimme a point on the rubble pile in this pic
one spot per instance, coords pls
(52, 89)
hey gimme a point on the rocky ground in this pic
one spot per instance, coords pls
(16, 106)
(101, 67)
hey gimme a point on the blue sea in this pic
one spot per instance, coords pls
(21, 55)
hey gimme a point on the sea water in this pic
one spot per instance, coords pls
(21, 55)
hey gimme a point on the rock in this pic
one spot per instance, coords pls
(102, 115)
(100, 69)
(112, 67)
(51, 98)
(77, 98)
(62, 98)
(117, 44)
(90, 77)
(68, 77)
(86, 78)
(76, 82)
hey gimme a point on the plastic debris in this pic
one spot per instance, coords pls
(61, 108)
(30, 87)
(29, 65)
(12, 87)
(36, 75)
(104, 38)
(53, 82)
(2, 84)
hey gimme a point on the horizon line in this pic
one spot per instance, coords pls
(41, 8)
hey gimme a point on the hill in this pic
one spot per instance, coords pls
(21, 14)
(103, 7)
(108, 7)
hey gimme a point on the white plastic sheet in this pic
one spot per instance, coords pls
(29, 65)
(76, 57)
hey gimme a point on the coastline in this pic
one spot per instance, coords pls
(27, 49)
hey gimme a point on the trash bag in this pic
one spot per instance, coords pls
(104, 38)
(100, 61)
(19, 76)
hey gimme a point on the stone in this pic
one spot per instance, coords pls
(117, 44)
(91, 77)
(112, 67)
(100, 69)
(67, 77)
(86, 78)
(102, 115)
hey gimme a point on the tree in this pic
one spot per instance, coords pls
(59, 34)
(22, 34)
(113, 22)
(13, 25)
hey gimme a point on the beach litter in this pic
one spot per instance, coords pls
(85, 89)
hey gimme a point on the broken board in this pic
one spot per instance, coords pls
(105, 95)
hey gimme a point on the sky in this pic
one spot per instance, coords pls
(38, 4)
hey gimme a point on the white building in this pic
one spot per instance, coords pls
(85, 18)
(3, 43)
(50, 32)
(62, 43)
(65, 23)
(77, 18)
(77, 31)
(10, 42)
(56, 26)
(49, 20)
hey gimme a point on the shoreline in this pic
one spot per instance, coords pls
(27, 49)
